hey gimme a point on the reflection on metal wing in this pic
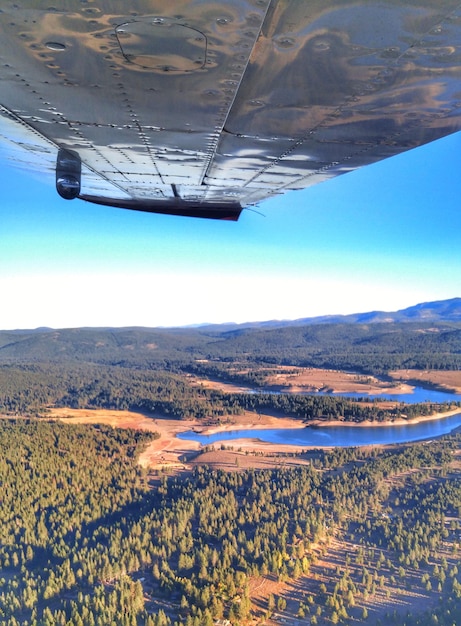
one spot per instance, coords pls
(201, 108)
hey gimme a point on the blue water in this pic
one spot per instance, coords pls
(338, 436)
(418, 395)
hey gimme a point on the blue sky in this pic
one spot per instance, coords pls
(384, 237)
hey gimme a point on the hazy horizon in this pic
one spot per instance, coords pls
(226, 323)
(382, 238)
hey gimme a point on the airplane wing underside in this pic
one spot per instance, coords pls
(195, 107)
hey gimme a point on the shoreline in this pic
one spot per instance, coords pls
(289, 422)
(365, 390)
(397, 422)
(170, 453)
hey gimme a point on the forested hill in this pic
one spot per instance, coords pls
(370, 348)
(100, 345)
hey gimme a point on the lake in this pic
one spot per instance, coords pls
(419, 394)
(338, 436)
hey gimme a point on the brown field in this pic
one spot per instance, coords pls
(313, 379)
(309, 380)
(449, 380)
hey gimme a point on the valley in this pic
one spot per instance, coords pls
(108, 517)
(364, 535)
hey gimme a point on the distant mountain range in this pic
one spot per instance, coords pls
(438, 311)
(424, 336)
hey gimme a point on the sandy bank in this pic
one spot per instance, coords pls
(442, 380)
(170, 452)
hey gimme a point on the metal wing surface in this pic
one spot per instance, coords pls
(201, 108)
